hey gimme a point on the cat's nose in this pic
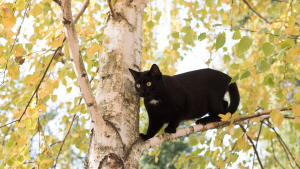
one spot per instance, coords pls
(142, 94)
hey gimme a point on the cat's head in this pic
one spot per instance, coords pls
(148, 84)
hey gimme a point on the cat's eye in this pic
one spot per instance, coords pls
(138, 85)
(148, 83)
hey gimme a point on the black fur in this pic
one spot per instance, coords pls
(185, 96)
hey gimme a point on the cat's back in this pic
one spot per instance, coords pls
(203, 76)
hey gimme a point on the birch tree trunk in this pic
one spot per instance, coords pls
(115, 95)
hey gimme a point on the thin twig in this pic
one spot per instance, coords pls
(6, 133)
(244, 130)
(38, 86)
(19, 30)
(256, 12)
(274, 154)
(282, 143)
(64, 139)
(257, 141)
(85, 4)
(4, 74)
(112, 10)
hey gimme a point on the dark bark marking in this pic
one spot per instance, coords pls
(111, 160)
(90, 104)
(83, 74)
(65, 21)
(86, 162)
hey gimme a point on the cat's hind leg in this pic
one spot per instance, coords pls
(213, 114)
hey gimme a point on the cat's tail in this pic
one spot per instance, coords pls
(234, 98)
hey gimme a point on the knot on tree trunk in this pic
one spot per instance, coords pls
(112, 161)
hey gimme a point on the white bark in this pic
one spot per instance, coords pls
(115, 95)
(78, 65)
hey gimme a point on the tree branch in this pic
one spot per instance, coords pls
(85, 86)
(274, 154)
(112, 10)
(244, 130)
(64, 139)
(152, 142)
(256, 12)
(260, 127)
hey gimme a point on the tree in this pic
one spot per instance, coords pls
(257, 41)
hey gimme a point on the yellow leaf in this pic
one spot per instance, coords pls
(297, 120)
(225, 117)
(256, 119)
(20, 5)
(93, 49)
(296, 110)
(277, 117)
(13, 71)
(1, 28)
(16, 113)
(9, 22)
(288, 30)
(61, 105)
(217, 141)
(19, 50)
(36, 10)
(2, 60)
(156, 159)
(35, 114)
(43, 108)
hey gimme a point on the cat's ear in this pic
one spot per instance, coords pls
(134, 73)
(155, 72)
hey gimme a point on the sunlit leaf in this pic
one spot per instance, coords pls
(220, 40)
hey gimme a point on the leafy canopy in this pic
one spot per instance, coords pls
(256, 42)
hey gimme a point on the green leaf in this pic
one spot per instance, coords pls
(176, 46)
(288, 43)
(150, 24)
(245, 75)
(244, 44)
(202, 36)
(220, 40)
(235, 66)
(263, 30)
(175, 35)
(216, 25)
(9, 144)
(269, 80)
(235, 28)
(235, 78)
(261, 66)
(185, 29)
(28, 123)
(193, 140)
(268, 48)
(157, 16)
(226, 58)
(236, 35)
(187, 38)
(209, 3)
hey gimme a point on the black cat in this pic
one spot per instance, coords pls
(171, 99)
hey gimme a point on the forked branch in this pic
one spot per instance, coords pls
(244, 130)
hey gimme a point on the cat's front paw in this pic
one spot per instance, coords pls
(143, 136)
(170, 130)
